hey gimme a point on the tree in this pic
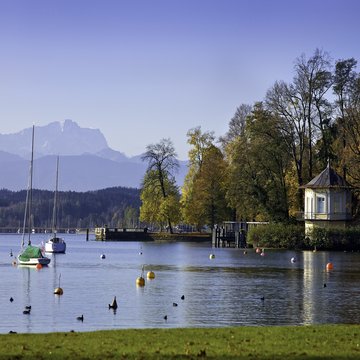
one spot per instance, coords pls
(312, 81)
(159, 191)
(208, 203)
(200, 143)
(236, 124)
(258, 163)
(344, 80)
(304, 111)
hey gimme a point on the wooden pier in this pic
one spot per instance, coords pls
(107, 233)
(233, 233)
(223, 238)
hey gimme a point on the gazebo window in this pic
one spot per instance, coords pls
(320, 204)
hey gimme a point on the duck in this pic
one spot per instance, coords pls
(165, 317)
(80, 318)
(175, 304)
(262, 298)
(11, 299)
(26, 311)
(28, 307)
(113, 305)
(183, 297)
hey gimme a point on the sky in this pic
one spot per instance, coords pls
(144, 70)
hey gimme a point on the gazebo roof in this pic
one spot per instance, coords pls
(328, 178)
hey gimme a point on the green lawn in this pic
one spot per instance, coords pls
(286, 342)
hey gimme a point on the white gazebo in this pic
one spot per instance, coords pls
(327, 201)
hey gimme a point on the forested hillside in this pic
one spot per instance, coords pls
(117, 206)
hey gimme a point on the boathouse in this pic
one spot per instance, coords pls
(327, 201)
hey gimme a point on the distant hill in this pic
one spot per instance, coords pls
(86, 161)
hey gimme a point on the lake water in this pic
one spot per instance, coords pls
(224, 291)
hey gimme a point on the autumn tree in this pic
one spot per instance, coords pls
(200, 142)
(160, 195)
(208, 203)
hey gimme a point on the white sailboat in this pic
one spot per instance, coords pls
(55, 244)
(30, 255)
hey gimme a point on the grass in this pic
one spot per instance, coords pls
(285, 342)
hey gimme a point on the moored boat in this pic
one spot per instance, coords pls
(55, 244)
(31, 255)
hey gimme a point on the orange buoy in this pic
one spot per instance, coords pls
(38, 266)
(329, 266)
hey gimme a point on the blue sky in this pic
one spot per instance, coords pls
(142, 70)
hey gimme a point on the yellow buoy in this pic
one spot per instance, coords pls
(58, 291)
(212, 256)
(150, 275)
(329, 266)
(140, 281)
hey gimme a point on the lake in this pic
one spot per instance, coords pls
(233, 289)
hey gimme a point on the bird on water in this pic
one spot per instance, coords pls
(80, 318)
(113, 305)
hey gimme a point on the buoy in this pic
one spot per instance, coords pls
(262, 253)
(38, 266)
(102, 256)
(58, 291)
(212, 256)
(329, 266)
(150, 275)
(293, 260)
(14, 262)
(245, 252)
(140, 281)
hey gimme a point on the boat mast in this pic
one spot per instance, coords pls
(31, 183)
(54, 219)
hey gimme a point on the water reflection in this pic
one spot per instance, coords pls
(231, 290)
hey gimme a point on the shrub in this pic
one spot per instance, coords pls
(277, 235)
(335, 238)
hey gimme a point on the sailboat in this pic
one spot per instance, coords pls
(55, 244)
(30, 255)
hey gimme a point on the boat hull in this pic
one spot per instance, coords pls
(34, 261)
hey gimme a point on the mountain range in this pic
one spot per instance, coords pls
(86, 161)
